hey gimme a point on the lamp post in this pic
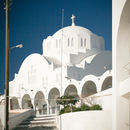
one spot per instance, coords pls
(7, 69)
(7, 79)
(7, 66)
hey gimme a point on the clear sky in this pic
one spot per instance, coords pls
(31, 21)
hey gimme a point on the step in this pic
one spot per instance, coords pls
(38, 122)
(25, 127)
(43, 118)
(44, 121)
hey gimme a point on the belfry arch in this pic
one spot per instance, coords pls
(107, 83)
(40, 103)
(89, 88)
(26, 102)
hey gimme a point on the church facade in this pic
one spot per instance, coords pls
(73, 62)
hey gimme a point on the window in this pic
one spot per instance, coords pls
(56, 43)
(85, 42)
(81, 42)
(59, 43)
(68, 42)
(72, 42)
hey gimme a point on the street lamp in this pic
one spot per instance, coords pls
(7, 65)
(7, 82)
(17, 46)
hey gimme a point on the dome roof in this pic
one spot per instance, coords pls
(75, 40)
(73, 30)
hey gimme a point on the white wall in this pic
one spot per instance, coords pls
(121, 29)
(87, 120)
(2, 117)
(104, 99)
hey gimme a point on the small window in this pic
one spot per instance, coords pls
(81, 42)
(59, 43)
(68, 42)
(85, 42)
(56, 43)
(72, 42)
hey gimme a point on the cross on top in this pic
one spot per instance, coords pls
(73, 17)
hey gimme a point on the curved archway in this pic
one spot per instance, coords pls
(89, 88)
(107, 83)
(123, 43)
(26, 102)
(14, 104)
(71, 90)
(40, 103)
(52, 96)
(121, 60)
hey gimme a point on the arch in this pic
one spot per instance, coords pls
(121, 46)
(60, 42)
(52, 96)
(89, 88)
(107, 83)
(123, 43)
(56, 43)
(40, 103)
(81, 42)
(26, 102)
(91, 78)
(68, 42)
(72, 42)
(85, 42)
(71, 90)
(14, 104)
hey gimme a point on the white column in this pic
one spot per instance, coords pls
(48, 107)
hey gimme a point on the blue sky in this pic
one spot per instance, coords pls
(31, 21)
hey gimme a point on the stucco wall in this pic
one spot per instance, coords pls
(121, 29)
(2, 117)
(89, 120)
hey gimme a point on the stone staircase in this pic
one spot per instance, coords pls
(40, 122)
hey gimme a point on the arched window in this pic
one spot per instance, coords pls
(72, 42)
(85, 42)
(56, 43)
(81, 42)
(68, 42)
(59, 43)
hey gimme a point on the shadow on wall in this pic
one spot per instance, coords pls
(100, 63)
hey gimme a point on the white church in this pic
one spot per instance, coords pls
(73, 62)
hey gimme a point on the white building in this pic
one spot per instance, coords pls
(121, 65)
(73, 62)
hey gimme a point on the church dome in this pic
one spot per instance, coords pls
(73, 30)
(71, 40)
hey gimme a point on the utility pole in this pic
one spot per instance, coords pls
(7, 68)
